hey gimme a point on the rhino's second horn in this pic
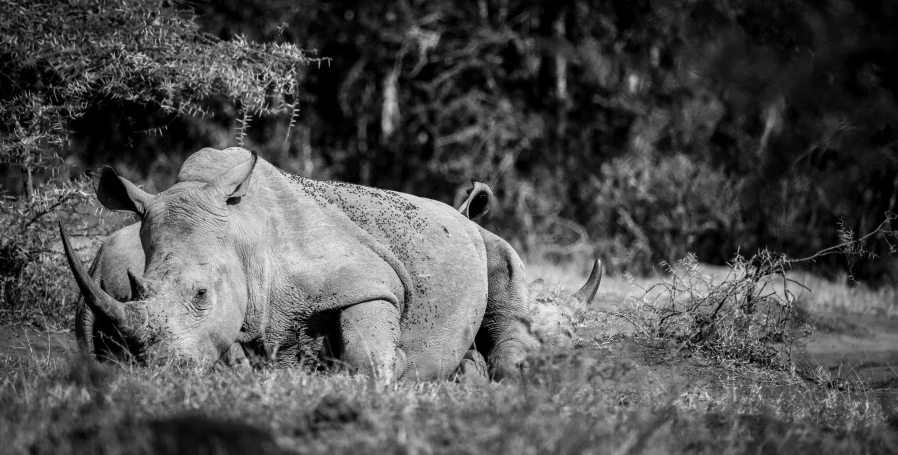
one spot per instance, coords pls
(588, 291)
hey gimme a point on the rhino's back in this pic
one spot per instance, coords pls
(444, 260)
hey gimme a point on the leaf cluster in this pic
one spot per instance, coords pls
(59, 59)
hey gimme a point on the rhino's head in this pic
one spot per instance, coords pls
(191, 300)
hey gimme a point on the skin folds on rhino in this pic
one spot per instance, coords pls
(239, 256)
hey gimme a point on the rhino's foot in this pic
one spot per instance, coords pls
(399, 364)
(234, 358)
(472, 370)
(507, 361)
(370, 336)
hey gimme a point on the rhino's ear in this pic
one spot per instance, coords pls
(120, 195)
(234, 182)
(479, 201)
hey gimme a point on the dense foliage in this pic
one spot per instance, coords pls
(638, 131)
(657, 127)
(61, 59)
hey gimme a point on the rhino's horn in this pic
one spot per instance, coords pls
(140, 290)
(588, 291)
(97, 299)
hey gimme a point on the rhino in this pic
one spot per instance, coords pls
(239, 257)
(123, 251)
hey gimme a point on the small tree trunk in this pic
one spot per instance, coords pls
(308, 165)
(561, 87)
(27, 182)
(361, 139)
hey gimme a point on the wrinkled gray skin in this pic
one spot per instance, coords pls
(240, 257)
(123, 251)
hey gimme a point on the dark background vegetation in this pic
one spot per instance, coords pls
(657, 127)
(636, 131)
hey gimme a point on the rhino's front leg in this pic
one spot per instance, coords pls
(370, 338)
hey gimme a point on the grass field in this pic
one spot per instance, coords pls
(600, 392)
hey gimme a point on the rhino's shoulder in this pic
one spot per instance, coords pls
(122, 248)
(121, 251)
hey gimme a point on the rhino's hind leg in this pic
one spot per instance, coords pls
(505, 335)
(509, 344)
(369, 334)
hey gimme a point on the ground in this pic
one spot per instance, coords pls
(597, 390)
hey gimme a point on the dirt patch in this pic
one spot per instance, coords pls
(864, 348)
(839, 324)
(27, 343)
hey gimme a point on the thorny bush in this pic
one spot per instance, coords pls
(751, 316)
(35, 284)
(748, 317)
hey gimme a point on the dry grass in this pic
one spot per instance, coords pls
(588, 396)
(571, 403)
(824, 295)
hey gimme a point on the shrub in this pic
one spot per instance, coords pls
(63, 58)
(35, 284)
(741, 319)
(750, 316)
(649, 210)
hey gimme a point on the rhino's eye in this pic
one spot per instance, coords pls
(200, 293)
